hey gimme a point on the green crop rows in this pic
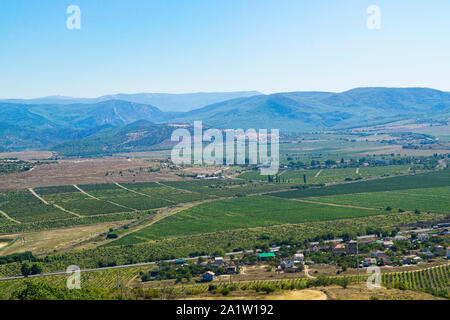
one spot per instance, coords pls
(435, 280)
(425, 180)
(247, 212)
(420, 199)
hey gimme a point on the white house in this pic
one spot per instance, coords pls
(299, 258)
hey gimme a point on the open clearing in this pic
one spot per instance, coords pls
(306, 294)
(44, 242)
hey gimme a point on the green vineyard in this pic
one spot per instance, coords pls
(434, 280)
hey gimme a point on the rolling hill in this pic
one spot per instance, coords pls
(306, 111)
(136, 136)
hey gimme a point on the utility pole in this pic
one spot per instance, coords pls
(357, 256)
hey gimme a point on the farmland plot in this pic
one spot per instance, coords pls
(425, 180)
(256, 211)
(125, 199)
(159, 191)
(226, 188)
(411, 200)
(25, 207)
(70, 198)
(330, 175)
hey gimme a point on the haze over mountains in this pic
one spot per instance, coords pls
(167, 102)
(108, 124)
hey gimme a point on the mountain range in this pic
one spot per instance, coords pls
(168, 102)
(116, 125)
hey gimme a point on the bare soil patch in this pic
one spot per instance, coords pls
(28, 155)
(88, 171)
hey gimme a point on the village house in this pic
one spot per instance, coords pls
(180, 261)
(367, 262)
(285, 264)
(299, 258)
(231, 268)
(411, 259)
(416, 260)
(275, 249)
(266, 255)
(438, 248)
(208, 276)
(400, 238)
(388, 244)
(376, 253)
(339, 248)
(384, 259)
(288, 266)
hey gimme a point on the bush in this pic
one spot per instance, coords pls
(112, 235)
(225, 291)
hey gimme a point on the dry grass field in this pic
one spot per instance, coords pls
(45, 242)
(352, 292)
(28, 155)
(87, 171)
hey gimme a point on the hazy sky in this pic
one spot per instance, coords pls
(220, 45)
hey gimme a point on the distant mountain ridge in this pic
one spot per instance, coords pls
(167, 102)
(306, 111)
(43, 126)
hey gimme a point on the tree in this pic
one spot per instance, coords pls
(25, 269)
(36, 268)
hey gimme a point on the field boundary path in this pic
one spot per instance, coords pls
(85, 193)
(8, 217)
(65, 210)
(140, 193)
(334, 204)
(37, 196)
(178, 189)
(318, 173)
(91, 196)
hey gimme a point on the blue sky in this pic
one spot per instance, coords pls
(220, 45)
